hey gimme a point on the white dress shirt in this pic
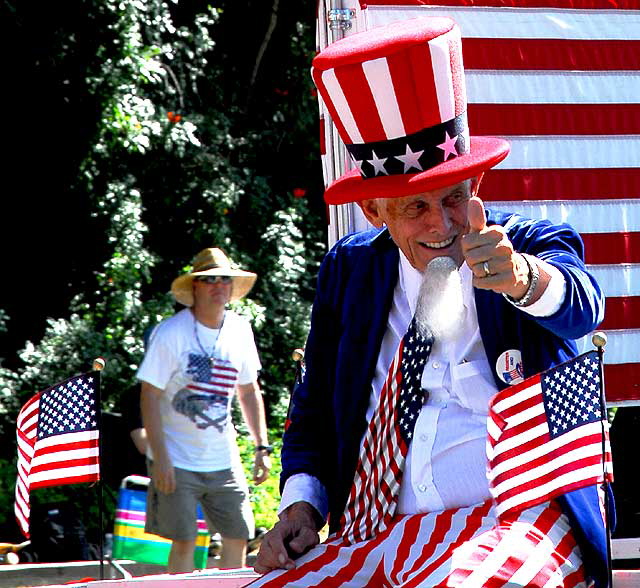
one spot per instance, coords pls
(446, 462)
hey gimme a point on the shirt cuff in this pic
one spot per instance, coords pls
(305, 488)
(552, 297)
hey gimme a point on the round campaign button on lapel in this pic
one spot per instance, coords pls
(509, 367)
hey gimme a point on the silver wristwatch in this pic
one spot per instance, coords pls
(534, 276)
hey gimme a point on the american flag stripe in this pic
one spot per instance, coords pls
(486, 19)
(383, 497)
(622, 313)
(552, 54)
(515, 87)
(443, 541)
(377, 474)
(221, 368)
(576, 151)
(559, 119)
(575, 4)
(623, 351)
(52, 458)
(513, 463)
(26, 427)
(213, 389)
(548, 489)
(420, 550)
(222, 378)
(22, 504)
(64, 458)
(595, 216)
(606, 248)
(27, 421)
(535, 568)
(49, 468)
(25, 447)
(448, 531)
(618, 377)
(67, 475)
(512, 556)
(64, 443)
(517, 471)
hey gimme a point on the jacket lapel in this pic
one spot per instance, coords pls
(368, 298)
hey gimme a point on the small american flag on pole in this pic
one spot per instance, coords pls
(547, 435)
(58, 439)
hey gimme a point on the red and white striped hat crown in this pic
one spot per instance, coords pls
(398, 99)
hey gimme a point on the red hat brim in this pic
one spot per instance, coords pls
(484, 153)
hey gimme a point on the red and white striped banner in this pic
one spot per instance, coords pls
(561, 80)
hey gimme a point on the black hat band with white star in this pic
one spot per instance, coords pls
(413, 153)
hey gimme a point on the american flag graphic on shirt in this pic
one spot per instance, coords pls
(206, 397)
(212, 375)
(547, 435)
(374, 492)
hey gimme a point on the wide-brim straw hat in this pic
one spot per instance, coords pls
(212, 262)
(397, 96)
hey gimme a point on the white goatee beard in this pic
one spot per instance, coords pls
(440, 308)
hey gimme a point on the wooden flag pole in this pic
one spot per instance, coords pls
(599, 340)
(98, 366)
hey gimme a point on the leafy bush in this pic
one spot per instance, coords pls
(265, 498)
(193, 135)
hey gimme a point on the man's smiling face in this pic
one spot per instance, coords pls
(427, 225)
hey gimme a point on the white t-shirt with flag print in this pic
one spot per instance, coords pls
(198, 369)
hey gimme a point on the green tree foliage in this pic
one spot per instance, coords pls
(199, 129)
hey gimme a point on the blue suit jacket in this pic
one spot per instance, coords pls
(349, 318)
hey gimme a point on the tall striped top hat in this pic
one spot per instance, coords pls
(398, 99)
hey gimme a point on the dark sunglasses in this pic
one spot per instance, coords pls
(214, 279)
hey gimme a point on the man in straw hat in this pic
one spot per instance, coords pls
(196, 360)
(416, 325)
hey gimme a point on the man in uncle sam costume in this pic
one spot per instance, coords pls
(416, 325)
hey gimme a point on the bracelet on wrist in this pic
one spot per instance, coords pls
(267, 448)
(534, 276)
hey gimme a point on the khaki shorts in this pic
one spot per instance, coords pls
(223, 496)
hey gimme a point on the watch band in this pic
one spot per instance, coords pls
(267, 448)
(534, 276)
